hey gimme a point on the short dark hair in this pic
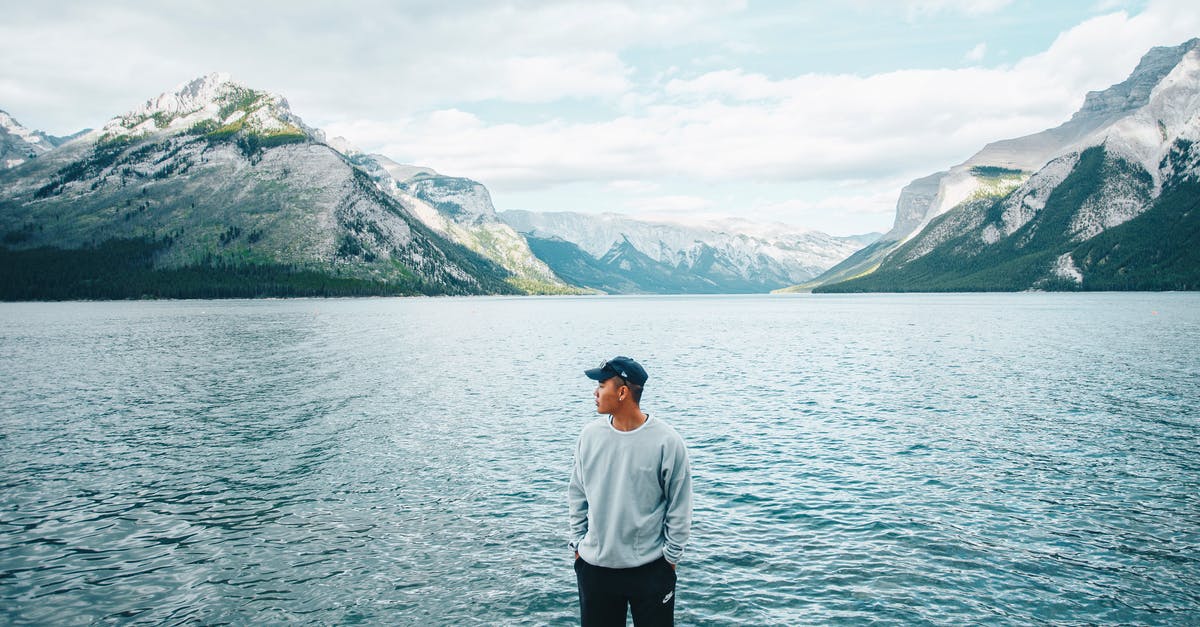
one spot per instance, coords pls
(634, 389)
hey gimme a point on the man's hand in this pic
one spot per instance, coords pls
(576, 554)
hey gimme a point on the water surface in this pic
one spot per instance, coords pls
(886, 459)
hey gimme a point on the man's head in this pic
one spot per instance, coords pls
(621, 379)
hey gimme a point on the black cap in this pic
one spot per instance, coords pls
(623, 367)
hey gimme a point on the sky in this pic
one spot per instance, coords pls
(814, 114)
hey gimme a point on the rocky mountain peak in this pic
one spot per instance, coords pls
(1134, 92)
(211, 103)
(463, 200)
(190, 96)
(18, 143)
(9, 124)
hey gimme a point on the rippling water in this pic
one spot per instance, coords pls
(938, 459)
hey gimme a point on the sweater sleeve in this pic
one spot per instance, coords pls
(577, 505)
(677, 474)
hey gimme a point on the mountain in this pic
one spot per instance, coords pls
(1104, 201)
(615, 253)
(216, 189)
(19, 144)
(461, 210)
(579, 268)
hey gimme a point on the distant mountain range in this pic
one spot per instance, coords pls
(216, 189)
(615, 253)
(1106, 201)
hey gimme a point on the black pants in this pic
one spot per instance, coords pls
(647, 590)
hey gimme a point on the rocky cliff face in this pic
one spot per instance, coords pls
(1124, 174)
(461, 210)
(218, 175)
(1003, 192)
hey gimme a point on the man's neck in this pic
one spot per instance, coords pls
(628, 420)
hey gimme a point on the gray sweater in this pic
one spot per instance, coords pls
(630, 494)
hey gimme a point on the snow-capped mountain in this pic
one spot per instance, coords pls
(19, 144)
(226, 181)
(732, 255)
(1020, 213)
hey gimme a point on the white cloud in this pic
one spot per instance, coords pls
(1104, 49)
(976, 54)
(404, 82)
(736, 125)
(374, 59)
(633, 187)
(733, 124)
(882, 202)
(917, 8)
(674, 204)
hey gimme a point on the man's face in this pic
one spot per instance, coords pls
(608, 393)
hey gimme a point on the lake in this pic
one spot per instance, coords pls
(940, 459)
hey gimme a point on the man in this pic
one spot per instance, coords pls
(630, 505)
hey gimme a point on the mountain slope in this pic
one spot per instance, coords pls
(1158, 250)
(214, 177)
(577, 267)
(1085, 219)
(1136, 122)
(461, 210)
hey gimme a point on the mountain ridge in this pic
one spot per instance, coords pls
(997, 192)
(461, 210)
(1042, 233)
(214, 177)
(703, 258)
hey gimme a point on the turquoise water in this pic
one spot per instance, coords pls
(885, 459)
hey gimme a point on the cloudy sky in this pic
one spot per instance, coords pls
(810, 113)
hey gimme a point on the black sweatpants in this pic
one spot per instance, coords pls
(647, 590)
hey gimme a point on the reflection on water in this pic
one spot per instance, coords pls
(962, 459)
